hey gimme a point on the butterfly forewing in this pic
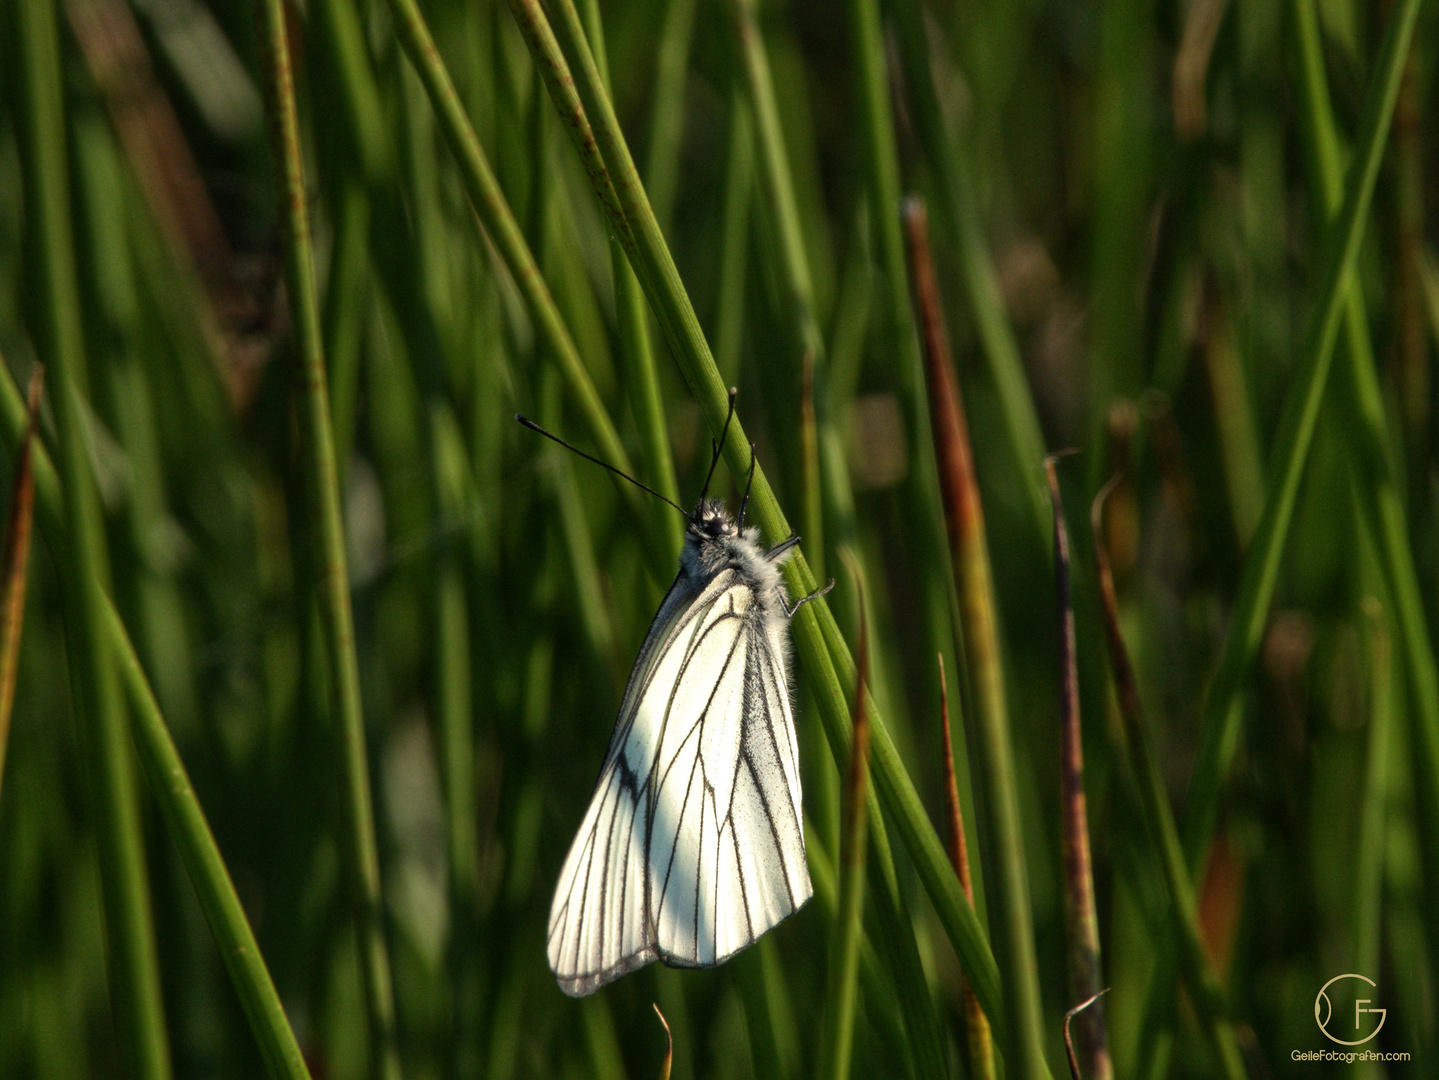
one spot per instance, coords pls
(692, 846)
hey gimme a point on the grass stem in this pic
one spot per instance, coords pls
(1081, 918)
(976, 1025)
(1224, 704)
(505, 233)
(1380, 501)
(1204, 988)
(99, 709)
(329, 538)
(170, 785)
(844, 953)
(15, 563)
(1011, 918)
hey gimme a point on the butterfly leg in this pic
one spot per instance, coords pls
(803, 600)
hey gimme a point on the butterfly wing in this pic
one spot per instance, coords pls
(692, 846)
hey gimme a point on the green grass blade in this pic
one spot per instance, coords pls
(1199, 975)
(170, 785)
(978, 1037)
(602, 1038)
(1224, 706)
(505, 233)
(329, 537)
(894, 320)
(345, 311)
(1234, 425)
(728, 329)
(881, 1009)
(186, 820)
(970, 554)
(338, 31)
(643, 380)
(817, 428)
(778, 183)
(838, 1043)
(134, 974)
(454, 705)
(980, 280)
(1374, 805)
(666, 135)
(1379, 498)
(764, 993)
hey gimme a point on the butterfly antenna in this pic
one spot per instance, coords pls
(603, 464)
(749, 480)
(719, 447)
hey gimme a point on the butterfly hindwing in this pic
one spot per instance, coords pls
(692, 845)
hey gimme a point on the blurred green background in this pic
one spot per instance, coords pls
(1128, 206)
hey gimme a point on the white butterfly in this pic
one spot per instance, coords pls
(693, 844)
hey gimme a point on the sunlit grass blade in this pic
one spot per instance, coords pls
(606, 1061)
(1204, 988)
(133, 966)
(897, 997)
(769, 1014)
(978, 1036)
(809, 441)
(817, 422)
(15, 562)
(1011, 921)
(634, 327)
(1082, 920)
(501, 228)
(329, 540)
(838, 1044)
(1224, 705)
(893, 931)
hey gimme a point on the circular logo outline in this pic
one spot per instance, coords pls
(1322, 996)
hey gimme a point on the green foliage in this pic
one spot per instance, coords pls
(1131, 210)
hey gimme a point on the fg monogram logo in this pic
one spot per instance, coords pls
(1324, 1011)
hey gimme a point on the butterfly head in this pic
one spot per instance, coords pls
(714, 540)
(712, 521)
